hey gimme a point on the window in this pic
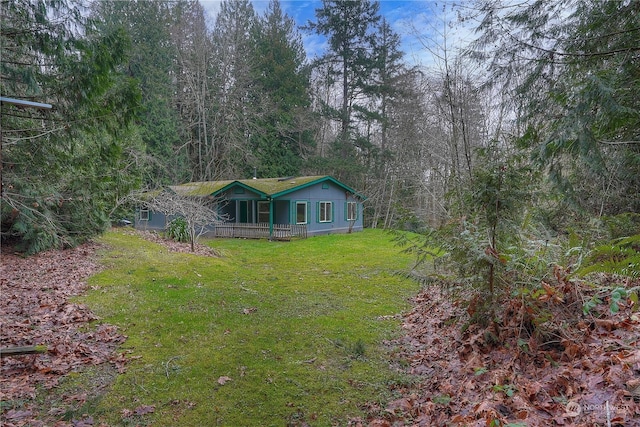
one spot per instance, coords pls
(301, 212)
(352, 211)
(144, 215)
(325, 212)
(263, 211)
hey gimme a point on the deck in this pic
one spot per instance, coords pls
(259, 231)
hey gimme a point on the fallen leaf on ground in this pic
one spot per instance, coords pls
(36, 310)
(223, 380)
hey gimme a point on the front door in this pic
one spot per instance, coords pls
(246, 211)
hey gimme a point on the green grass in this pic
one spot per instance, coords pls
(299, 328)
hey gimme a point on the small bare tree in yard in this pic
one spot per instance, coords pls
(194, 212)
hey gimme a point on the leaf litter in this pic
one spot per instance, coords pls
(567, 369)
(551, 365)
(175, 246)
(36, 310)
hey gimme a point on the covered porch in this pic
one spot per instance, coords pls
(258, 219)
(261, 230)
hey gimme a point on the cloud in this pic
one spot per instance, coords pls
(314, 45)
(212, 7)
(426, 27)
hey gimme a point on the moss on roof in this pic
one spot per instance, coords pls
(267, 187)
(270, 186)
(203, 188)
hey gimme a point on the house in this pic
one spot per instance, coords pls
(275, 208)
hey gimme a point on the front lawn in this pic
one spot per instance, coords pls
(269, 333)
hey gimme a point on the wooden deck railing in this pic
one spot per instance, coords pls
(260, 231)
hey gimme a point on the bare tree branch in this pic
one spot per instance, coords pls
(618, 142)
(199, 212)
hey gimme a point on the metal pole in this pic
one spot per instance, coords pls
(18, 103)
(23, 103)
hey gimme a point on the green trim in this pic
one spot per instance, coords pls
(270, 219)
(248, 210)
(323, 179)
(262, 194)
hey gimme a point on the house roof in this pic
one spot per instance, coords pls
(265, 187)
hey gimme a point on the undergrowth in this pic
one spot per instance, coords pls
(540, 279)
(620, 256)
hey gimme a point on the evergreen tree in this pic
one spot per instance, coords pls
(282, 139)
(389, 71)
(152, 62)
(234, 109)
(573, 69)
(63, 169)
(350, 29)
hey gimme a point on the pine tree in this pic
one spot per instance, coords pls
(232, 84)
(572, 67)
(152, 62)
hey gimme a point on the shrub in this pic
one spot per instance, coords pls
(178, 230)
(485, 243)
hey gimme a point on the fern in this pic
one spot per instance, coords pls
(621, 257)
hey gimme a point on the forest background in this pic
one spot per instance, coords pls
(514, 160)
(536, 122)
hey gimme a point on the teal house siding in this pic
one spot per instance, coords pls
(324, 204)
(336, 198)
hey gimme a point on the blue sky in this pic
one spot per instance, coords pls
(422, 24)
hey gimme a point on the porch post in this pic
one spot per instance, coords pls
(270, 219)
